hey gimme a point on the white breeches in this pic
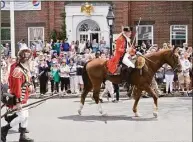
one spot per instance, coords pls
(108, 89)
(169, 82)
(73, 84)
(22, 117)
(79, 80)
(127, 61)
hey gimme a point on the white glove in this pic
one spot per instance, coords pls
(138, 53)
(19, 106)
(133, 57)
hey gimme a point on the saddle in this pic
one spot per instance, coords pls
(138, 61)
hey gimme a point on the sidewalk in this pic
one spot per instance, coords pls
(123, 94)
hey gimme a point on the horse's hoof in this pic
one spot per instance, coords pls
(137, 114)
(101, 100)
(104, 114)
(155, 114)
(100, 111)
(79, 112)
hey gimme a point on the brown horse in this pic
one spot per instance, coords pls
(95, 72)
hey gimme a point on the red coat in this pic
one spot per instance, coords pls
(119, 52)
(13, 66)
(16, 79)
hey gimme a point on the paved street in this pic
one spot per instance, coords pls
(57, 121)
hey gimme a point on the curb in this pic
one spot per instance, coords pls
(69, 96)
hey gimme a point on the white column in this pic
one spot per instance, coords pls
(69, 30)
(12, 21)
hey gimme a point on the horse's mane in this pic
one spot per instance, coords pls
(158, 53)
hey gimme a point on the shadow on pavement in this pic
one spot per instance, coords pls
(93, 118)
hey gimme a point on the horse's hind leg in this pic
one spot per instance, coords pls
(96, 92)
(83, 97)
(136, 95)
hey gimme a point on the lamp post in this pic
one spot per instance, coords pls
(110, 20)
(12, 21)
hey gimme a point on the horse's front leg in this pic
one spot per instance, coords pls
(136, 95)
(151, 91)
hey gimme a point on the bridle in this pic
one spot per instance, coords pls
(177, 63)
(176, 67)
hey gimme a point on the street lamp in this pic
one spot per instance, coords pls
(110, 20)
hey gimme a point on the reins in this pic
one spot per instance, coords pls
(147, 59)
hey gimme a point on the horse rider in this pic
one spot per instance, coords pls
(123, 52)
(20, 86)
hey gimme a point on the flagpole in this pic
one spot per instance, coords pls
(12, 21)
(0, 53)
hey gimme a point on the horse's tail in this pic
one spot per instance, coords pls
(85, 77)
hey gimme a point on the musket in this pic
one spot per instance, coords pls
(25, 106)
(2, 106)
(136, 31)
(39, 74)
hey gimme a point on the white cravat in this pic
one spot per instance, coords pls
(128, 41)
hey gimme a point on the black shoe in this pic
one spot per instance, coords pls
(4, 132)
(26, 130)
(20, 129)
(145, 96)
(101, 100)
(115, 101)
(23, 137)
(162, 95)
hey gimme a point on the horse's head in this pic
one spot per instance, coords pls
(173, 59)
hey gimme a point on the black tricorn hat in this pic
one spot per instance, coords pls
(127, 29)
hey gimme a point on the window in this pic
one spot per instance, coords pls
(35, 34)
(144, 33)
(83, 37)
(5, 35)
(86, 28)
(178, 34)
(89, 25)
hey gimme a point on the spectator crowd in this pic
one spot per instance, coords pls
(60, 63)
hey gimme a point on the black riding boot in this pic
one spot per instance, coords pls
(26, 130)
(10, 118)
(125, 74)
(23, 137)
(4, 132)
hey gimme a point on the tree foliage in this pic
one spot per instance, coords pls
(62, 34)
(53, 35)
(63, 31)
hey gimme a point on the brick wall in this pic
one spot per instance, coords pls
(126, 13)
(163, 14)
(48, 17)
(59, 8)
(121, 10)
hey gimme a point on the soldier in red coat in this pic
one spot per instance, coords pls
(20, 86)
(123, 51)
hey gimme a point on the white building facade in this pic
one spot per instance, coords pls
(80, 26)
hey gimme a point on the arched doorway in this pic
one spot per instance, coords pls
(88, 30)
